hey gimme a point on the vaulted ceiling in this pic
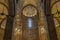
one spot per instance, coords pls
(55, 10)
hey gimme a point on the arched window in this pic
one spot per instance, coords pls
(3, 17)
(55, 10)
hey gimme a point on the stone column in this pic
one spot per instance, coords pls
(10, 20)
(50, 21)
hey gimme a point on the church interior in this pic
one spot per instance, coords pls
(29, 19)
